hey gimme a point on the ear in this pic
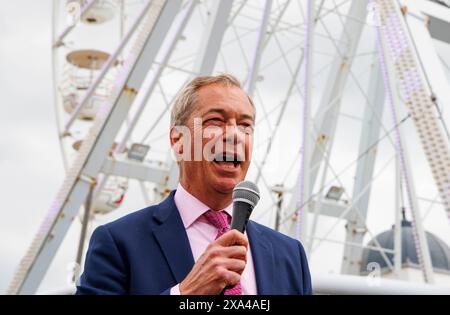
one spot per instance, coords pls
(176, 140)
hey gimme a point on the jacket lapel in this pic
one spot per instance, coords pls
(172, 238)
(263, 259)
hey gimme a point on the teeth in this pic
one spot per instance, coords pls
(228, 164)
(227, 158)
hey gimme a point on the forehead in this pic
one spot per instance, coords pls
(231, 99)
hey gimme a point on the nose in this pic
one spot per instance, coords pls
(233, 135)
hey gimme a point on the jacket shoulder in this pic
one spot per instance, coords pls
(133, 219)
(145, 215)
(275, 235)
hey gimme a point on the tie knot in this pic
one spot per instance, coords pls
(220, 219)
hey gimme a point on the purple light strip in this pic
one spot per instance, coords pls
(383, 67)
(301, 196)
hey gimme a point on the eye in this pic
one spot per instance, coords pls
(213, 121)
(246, 127)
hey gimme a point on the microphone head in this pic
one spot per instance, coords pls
(246, 191)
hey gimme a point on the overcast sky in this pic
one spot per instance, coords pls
(30, 162)
(31, 167)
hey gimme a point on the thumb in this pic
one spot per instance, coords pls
(233, 237)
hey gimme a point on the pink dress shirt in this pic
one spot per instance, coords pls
(201, 233)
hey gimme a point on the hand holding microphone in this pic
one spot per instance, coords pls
(224, 260)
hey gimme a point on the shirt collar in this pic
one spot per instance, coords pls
(191, 208)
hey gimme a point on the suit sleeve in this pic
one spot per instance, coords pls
(104, 271)
(305, 274)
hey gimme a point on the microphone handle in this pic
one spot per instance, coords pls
(241, 214)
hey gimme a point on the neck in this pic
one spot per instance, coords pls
(213, 199)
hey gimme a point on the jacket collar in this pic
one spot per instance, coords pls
(263, 258)
(171, 236)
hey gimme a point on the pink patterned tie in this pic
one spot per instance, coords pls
(221, 220)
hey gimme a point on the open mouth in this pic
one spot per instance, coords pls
(228, 160)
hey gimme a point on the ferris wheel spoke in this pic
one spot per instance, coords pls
(261, 43)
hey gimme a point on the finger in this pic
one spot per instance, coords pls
(235, 251)
(229, 278)
(233, 237)
(232, 264)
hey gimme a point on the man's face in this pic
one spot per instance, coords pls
(222, 123)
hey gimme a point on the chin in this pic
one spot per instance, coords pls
(226, 185)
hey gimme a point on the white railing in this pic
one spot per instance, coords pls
(344, 285)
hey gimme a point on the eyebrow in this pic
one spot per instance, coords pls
(221, 111)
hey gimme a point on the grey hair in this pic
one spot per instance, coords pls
(185, 101)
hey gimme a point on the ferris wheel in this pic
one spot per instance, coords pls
(344, 92)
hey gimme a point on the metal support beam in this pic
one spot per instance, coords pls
(253, 71)
(398, 219)
(206, 60)
(170, 181)
(94, 148)
(152, 80)
(142, 171)
(84, 228)
(304, 191)
(326, 118)
(292, 85)
(212, 39)
(330, 208)
(60, 40)
(355, 228)
(283, 106)
(325, 121)
(104, 70)
(425, 48)
(437, 18)
(153, 77)
(401, 65)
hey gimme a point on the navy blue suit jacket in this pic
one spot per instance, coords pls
(148, 252)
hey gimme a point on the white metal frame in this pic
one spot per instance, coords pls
(318, 137)
(89, 161)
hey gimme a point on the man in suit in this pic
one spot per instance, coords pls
(183, 245)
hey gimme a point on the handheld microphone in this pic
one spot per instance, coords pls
(245, 198)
